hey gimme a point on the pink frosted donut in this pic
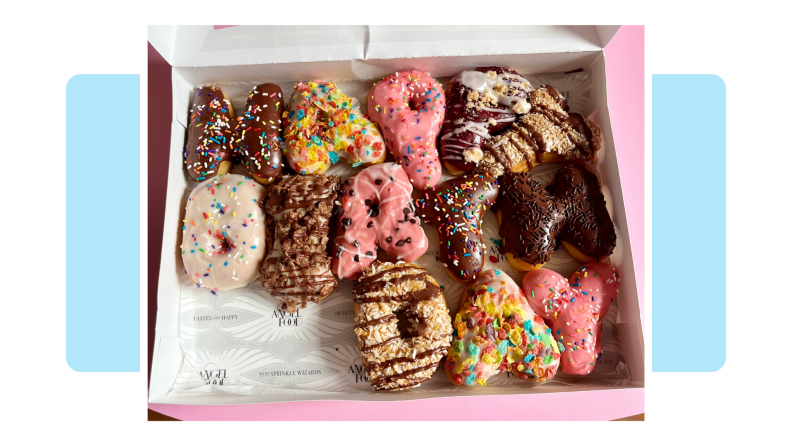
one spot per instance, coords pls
(409, 107)
(574, 310)
(376, 210)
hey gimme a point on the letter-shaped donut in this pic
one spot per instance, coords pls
(574, 309)
(376, 210)
(259, 134)
(394, 358)
(409, 107)
(324, 126)
(495, 331)
(223, 233)
(210, 135)
(572, 210)
(456, 209)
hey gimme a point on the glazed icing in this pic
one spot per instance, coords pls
(376, 210)
(210, 139)
(223, 232)
(409, 107)
(456, 209)
(496, 331)
(324, 126)
(574, 309)
(259, 133)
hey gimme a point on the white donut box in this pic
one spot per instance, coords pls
(236, 347)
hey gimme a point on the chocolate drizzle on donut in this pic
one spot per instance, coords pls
(547, 133)
(472, 116)
(296, 269)
(210, 140)
(572, 210)
(397, 358)
(456, 209)
(259, 133)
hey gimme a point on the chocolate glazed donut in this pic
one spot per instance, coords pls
(210, 140)
(481, 103)
(571, 211)
(259, 134)
(456, 209)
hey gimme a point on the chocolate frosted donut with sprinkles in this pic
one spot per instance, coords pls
(571, 211)
(456, 209)
(210, 135)
(259, 134)
(223, 233)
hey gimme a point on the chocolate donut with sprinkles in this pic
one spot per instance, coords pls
(574, 309)
(456, 209)
(571, 211)
(210, 136)
(259, 134)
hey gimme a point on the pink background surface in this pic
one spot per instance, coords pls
(625, 77)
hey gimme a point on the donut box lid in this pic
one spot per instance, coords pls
(219, 45)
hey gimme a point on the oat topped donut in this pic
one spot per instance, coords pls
(397, 360)
(297, 267)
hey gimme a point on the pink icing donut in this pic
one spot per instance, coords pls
(376, 210)
(409, 107)
(574, 310)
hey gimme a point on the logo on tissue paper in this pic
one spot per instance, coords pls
(358, 371)
(286, 319)
(214, 375)
(498, 251)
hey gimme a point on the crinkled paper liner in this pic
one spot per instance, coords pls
(239, 342)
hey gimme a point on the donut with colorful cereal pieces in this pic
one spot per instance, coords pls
(409, 107)
(259, 134)
(574, 309)
(325, 126)
(456, 210)
(210, 135)
(223, 233)
(496, 331)
(376, 210)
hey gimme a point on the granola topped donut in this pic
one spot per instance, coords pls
(324, 126)
(296, 269)
(409, 107)
(481, 103)
(395, 359)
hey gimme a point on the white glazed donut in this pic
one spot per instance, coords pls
(223, 233)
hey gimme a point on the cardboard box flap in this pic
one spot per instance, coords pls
(389, 42)
(207, 45)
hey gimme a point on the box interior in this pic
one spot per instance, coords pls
(350, 74)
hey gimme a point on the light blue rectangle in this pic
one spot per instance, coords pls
(688, 223)
(103, 223)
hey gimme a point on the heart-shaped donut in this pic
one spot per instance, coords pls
(376, 211)
(325, 126)
(571, 211)
(574, 309)
(456, 208)
(495, 331)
